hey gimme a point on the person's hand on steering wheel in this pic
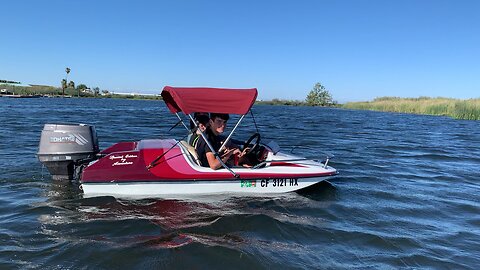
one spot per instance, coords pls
(244, 152)
(246, 147)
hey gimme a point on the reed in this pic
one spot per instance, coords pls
(456, 108)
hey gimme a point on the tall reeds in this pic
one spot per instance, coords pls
(459, 109)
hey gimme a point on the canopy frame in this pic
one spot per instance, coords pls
(215, 153)
(214, 100)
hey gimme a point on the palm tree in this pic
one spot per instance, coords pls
(96, 90)
(64, 85)
(67, 70)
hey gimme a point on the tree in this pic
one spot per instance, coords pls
(96, 90)
(319, 96)
(67, 70)
(82, 86)
(71, 84)
(64, 85)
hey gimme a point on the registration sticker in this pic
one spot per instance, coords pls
(248, 183)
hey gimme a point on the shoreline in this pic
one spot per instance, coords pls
(465, 109)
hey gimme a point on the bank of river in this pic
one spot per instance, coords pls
(455, 108)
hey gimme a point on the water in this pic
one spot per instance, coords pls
(407, 196)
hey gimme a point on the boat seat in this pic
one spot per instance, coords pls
(192, 151)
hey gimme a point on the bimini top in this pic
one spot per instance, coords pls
(203, 99)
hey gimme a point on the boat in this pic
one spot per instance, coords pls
(170, 167)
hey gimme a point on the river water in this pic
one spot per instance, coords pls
(407, 196)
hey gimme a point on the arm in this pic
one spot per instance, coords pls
(214, 163)
(232, 145)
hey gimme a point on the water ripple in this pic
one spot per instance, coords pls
(407, 196)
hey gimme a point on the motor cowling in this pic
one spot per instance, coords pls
(64, 146)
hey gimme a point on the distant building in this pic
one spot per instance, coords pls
(87, 90)
(5, 92)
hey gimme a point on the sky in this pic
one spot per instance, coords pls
(357, 49)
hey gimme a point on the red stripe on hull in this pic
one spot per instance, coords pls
(131, 166)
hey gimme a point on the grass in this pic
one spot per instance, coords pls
(455, 108)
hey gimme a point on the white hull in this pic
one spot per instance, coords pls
(175, 189)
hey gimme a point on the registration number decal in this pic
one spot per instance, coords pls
(279, 182)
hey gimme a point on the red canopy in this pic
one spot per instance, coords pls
(202, 99)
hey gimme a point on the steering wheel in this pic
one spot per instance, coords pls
(255, 136)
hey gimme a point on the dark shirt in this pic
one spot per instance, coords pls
(193, 139)
(202, 147)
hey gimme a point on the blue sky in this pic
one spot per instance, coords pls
(357, 49)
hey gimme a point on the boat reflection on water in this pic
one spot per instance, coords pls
(156, 223)
(172, 223)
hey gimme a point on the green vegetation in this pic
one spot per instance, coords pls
(455, 108)
(6, 81)
(81, 91)
(64, 81)
(66, 89)
(31, 90)
(277, 101)
(139, 97)
(319, 96)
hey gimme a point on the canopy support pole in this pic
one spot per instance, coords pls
(213, 150)
(231, 133)
(179, 118)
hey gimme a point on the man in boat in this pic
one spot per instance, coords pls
(216, 126)
(202, 120)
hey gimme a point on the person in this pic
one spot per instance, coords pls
(216, 126)
(202, 122)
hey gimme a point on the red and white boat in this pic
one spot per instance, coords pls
(170, 168)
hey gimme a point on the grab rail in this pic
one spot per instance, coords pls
(327, 159)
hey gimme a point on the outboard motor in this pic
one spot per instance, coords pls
(65, 146)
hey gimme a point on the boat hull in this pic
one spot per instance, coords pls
(169, 189)
(124, 171)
